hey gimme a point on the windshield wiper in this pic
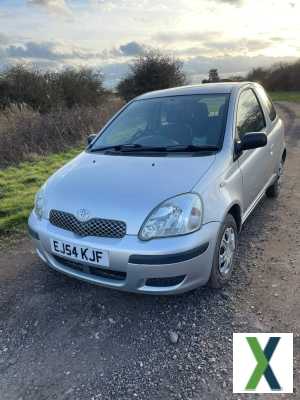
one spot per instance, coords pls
(117, 147)
(192, 148)
(129, 148)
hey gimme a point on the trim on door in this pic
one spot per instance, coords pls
(260, 195)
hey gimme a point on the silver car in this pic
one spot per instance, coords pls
(156, 201)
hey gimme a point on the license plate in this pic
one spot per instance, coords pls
(80, 253)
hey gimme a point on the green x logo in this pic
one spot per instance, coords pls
(263, 367)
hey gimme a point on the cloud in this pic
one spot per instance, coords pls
(132, 49)
(51, 51)
(211, 43)
(240, 45)
(131, 5)
(197, 68)
(57, 6)
(175, 37)
(3, 39)
(211, 40)
(56, 51)
(277, 39)
(33, 50)
(232, 2)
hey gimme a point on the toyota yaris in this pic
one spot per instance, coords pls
(156, 201)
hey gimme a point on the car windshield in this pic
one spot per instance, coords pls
(184, 121)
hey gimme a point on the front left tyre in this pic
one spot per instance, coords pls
(225, 250)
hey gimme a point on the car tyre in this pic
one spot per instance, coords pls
(274, 190)
(225, 250)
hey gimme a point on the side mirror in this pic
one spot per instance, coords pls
(251, 141)
(90, 138)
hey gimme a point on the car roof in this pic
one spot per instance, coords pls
(206, 88)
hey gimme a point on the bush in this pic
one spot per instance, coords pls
(19, 85)
(280, 77)
(76, 88)
(152, 71)
(51, 90)
(25, 132)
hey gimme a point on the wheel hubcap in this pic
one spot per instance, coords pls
(227, 249)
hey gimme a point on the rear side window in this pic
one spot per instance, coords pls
(268, 102)
(250, 117)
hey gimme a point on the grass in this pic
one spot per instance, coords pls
(286, 96)
(19, 184)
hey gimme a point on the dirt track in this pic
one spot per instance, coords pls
(63, 339)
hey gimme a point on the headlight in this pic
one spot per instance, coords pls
(176, 216)
(39, 203)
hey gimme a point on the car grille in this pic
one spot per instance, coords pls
(93, 227)
(90, 270)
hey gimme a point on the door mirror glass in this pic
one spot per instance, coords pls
(253, 141)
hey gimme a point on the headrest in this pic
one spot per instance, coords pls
(202, 110)
(174, 113)
(221, 110)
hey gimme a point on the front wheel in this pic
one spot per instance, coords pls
(274, 190)
(224, 253)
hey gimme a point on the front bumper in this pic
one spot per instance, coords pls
(159, 266)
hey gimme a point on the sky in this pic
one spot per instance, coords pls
(231, 35)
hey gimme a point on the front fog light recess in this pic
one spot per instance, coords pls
(176, 216)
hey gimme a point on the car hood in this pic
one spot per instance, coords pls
(122, 187)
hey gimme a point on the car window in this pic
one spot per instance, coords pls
(136, 118)
(250, 117)
(169, 121)
(268, 103)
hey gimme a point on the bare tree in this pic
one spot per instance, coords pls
(213, 76)
(151, 71)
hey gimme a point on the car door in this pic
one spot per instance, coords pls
(274, 131)
(254, 164)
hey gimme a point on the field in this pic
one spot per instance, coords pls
(18, 186)
(285, 96)
(33, 145)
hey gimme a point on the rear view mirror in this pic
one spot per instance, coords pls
(254, 140)
(251, 141)
(90, 138)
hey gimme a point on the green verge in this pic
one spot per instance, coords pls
(285, 96)
(18, 185)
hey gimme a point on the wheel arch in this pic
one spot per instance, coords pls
(283, 158)
(236, 211)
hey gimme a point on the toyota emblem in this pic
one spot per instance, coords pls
(83, 215)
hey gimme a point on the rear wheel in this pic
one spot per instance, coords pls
(274, 190)
(224, 253)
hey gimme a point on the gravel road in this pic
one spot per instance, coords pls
(63, 339)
